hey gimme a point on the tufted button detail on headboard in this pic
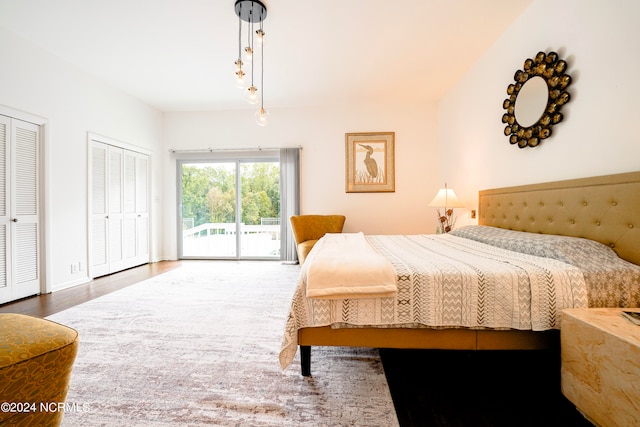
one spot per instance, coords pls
(604, 209)
(612, 245)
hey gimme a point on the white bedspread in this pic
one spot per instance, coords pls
(344, 265)
(448, 282)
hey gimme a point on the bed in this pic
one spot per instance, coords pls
(574, 243)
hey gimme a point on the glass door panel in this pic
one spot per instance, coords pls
(260, 201)
(212, 226)
(209, 210)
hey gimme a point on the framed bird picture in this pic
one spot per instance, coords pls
(370, 162)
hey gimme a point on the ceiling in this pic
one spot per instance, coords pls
(178, 55)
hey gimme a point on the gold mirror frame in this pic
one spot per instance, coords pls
(552, 70)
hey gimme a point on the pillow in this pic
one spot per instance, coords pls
(571, 250)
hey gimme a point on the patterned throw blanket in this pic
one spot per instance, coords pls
(478, 278)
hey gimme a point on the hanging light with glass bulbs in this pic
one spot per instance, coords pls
(239, 72)
(251, 11)
(261, 114)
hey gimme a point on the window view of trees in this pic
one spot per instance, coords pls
(209, 195)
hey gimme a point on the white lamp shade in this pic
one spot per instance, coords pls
(446, 198)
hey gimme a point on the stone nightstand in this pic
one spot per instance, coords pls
(601, 365)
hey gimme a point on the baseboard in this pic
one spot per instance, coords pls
(71, 284)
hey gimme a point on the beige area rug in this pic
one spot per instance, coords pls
(199, 345)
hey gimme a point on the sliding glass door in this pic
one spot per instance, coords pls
(260, 209)
(229, 208)
(208, 210)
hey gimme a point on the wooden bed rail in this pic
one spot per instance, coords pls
(422, 338)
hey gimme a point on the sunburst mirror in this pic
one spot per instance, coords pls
(535, 100)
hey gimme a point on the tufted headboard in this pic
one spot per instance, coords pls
(603, 208)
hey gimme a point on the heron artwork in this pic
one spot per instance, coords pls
(373, 172)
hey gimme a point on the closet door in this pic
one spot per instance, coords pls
(136, 215)
(142, 208)
(119, 218)
(116, 209)
(5, 214)
(19, 209)
(26, 209)
(99, 214)
(130, 224)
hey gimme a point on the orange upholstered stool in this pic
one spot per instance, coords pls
(36, 359)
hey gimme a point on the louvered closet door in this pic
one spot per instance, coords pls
(99, 214)
(116, 209)
(5, 219)
(107, 214)
(142, 208)
(120, 219)
(136, 215)
(130, 221)
(19, 210)
(26, 209)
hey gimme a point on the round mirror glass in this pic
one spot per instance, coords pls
(532, 101)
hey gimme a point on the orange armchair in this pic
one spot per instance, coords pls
(308, 229)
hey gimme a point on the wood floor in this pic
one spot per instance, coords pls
(48, 304)
(428, 387)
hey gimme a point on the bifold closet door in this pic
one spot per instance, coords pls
(99, 209)
(115, 212)
(19, 209)
(136, 215)
(119, 215)
(142, 209)
(107, 217)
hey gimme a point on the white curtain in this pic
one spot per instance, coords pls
(289, 201)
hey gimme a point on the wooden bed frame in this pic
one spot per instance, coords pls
(604, 208)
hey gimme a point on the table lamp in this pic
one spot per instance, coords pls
(447, 199)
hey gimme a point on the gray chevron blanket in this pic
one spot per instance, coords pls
(451, 281)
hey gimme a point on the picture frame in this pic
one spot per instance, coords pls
(370, 162)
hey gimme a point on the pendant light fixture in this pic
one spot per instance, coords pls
(261, 114)
(251, 12)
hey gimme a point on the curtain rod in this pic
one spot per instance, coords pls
(211, 150)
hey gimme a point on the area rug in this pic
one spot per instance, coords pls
(199, 345)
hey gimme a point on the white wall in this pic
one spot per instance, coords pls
(73, 103)
(601, 42)
(321, 133)
(459, 141)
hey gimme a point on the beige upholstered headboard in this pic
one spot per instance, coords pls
(603, 208)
